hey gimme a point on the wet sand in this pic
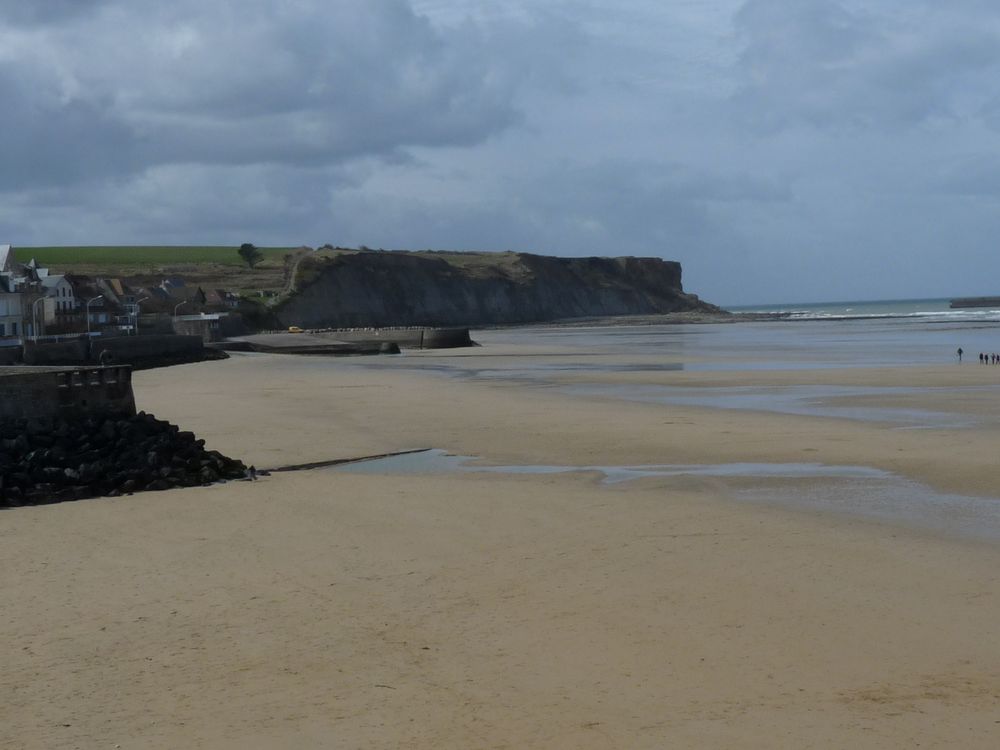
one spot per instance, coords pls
(323, 609)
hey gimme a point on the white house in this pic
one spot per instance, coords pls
(11, 311)
(60, 301)
(19, 289)
(6, 259)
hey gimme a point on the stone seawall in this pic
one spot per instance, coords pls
(139, 351)
(144, 351)
(349, 341)
(409, 338)
(49, 393)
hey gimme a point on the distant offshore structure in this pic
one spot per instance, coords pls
(963, 302)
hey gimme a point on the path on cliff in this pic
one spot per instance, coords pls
(293, 272)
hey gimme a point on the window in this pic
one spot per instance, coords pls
(13, 329)
(3, 329)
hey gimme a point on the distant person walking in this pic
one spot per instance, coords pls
(959, 354)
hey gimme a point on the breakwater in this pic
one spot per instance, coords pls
(961, 303)
(49, 461)
(348, 341)
(409, 338)
(68, 433)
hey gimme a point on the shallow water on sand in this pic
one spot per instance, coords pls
(784, 344)
(804, 400)
(440, 462)
(758, 346)
(573, 360)
(546, 355)
(854, 491)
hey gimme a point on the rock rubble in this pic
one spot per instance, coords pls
(51, 461)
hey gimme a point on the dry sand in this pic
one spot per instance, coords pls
(328, 610)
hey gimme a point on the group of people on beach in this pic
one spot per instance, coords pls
(984, 359)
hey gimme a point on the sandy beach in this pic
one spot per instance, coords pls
(319, 609)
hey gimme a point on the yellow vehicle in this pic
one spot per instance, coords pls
(294, 329)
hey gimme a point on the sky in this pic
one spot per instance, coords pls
(781, 150)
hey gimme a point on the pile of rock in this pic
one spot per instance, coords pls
(51, 461)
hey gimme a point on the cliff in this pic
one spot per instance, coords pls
(469, 289)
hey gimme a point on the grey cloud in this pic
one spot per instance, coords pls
(39, 12)
(818, 63)
(625, 191)
(183, 204)
(50, 139)
(977, 176)
(195, 83)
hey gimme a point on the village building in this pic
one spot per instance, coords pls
(11, 312)
(220, 299)
(19, 290)
(98, 307)
(37, 302)
(193, 298)
(60, 306)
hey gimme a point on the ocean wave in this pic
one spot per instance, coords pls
(926, 315)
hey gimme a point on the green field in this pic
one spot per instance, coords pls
(126, 255)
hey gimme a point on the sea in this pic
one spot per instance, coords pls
(879, 332)
(935, 308)
(790, 336)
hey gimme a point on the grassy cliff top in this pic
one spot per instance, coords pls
(132, 255)
(211, 266)
(220, 266)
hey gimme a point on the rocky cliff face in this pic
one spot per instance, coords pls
(469, 289)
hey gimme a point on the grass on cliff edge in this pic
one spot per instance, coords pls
(112, 256)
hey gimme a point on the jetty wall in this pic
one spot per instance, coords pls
(963, 302)
(48, 393)
(409, 338)
(140, 351)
